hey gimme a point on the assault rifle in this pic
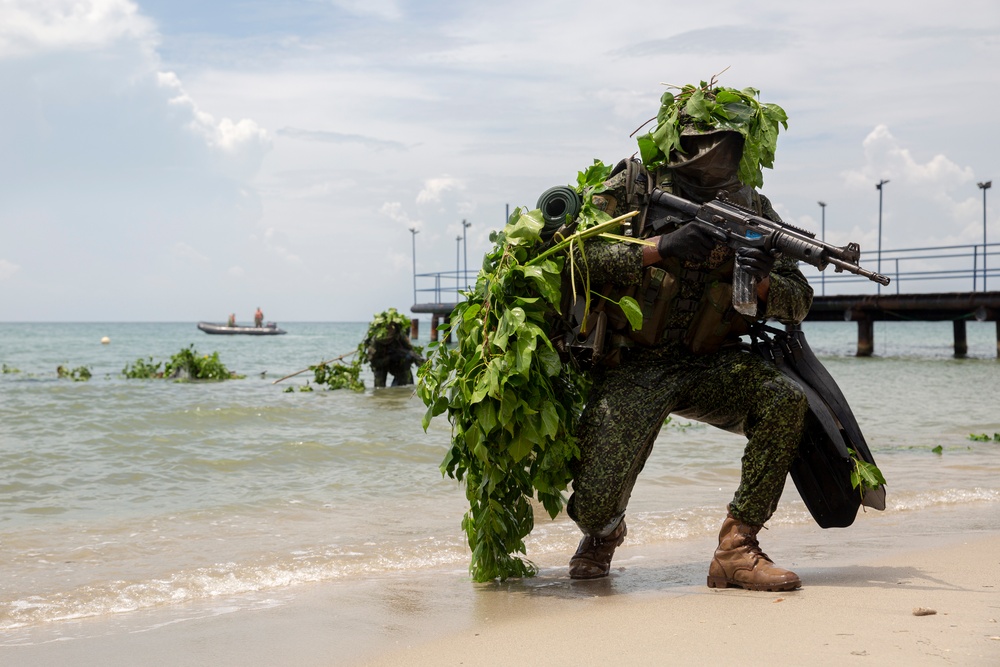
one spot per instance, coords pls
(743, 228)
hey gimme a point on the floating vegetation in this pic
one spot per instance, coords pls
(338, 375)
(982, 437)
(185, 365)
(78, 374)
(6, 370)
(142, 370)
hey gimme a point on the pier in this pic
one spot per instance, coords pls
(956, 307)
(923, 271)
(441, 291)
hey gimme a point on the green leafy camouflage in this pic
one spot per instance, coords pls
(704, 108)
(512, 401)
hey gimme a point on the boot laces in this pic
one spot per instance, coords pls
(753, 547)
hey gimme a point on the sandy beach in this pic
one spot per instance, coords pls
(861, 587)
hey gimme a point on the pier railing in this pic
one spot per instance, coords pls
(952, 268)
(442, 287)
(932, 283)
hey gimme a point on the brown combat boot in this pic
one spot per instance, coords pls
(592, 559)
(739, 562)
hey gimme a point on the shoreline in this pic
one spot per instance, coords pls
(920, 607)
(860, 586)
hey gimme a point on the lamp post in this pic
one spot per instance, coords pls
(458, 264)
(413, 233)
(984, 187)
(822, 237)
(878, 186)
(465, 250)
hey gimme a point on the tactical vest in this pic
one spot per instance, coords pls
(701, 324)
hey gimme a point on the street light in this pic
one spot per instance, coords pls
(822, 237)
(458, 264)
(413, 232)
(878, 186)
(465, 249)
(984, 187)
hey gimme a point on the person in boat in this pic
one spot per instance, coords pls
(392, 354)
(258, 318)
(232, 320)
(695, 367)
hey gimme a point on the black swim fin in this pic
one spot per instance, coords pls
(822, 470)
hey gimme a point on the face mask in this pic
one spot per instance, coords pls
(710, 165)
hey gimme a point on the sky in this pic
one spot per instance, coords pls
(174, 160)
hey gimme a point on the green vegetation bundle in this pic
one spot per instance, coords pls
(709, 107)
(338, 375)
(186, 364)
(143, 370)
(512, 401)
(78, 374)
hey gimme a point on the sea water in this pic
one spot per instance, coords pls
(118, 496)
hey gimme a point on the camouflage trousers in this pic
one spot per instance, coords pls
(732, 389)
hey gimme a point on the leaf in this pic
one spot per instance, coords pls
(525, 352)
(547, 282)
(486, 416)
(632, 311)
(864, 476)
(481, 390)
(549, 358)
(520, 446)
(471, 312)
(549, 420)
(526, 228)
(649, 151)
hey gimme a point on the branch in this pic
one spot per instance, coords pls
(329, 361)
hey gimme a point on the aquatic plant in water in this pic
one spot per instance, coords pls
(185, 365)
(78, 374)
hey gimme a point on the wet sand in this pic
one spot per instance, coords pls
(861, 586)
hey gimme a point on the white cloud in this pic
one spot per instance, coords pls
(886, 158)
(32, 26)
(8, 269)
(435, 187)
(373, 107)
(242, 144)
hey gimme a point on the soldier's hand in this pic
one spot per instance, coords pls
(758, 263)
(692, 242)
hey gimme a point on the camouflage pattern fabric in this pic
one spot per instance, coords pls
(731, 388)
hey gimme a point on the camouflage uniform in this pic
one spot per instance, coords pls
(729, 388)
